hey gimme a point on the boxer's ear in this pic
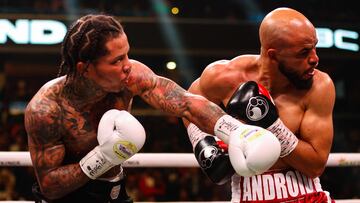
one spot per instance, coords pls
(272, 54)
(82, 67)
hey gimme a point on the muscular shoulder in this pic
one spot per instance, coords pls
(43, 111)
(223, 70)
(47, 96)
(322, 83)
(324, 78)
(140, 70)
(221, 77)
(141, 78)
(322, 93)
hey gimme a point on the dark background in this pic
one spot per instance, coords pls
(205, 31)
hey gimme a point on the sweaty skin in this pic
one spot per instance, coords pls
(286, 66)
(62, 119)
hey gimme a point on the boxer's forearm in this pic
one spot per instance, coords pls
(203, 113)
(305, 155)
(171, 98)
(62, 181)
(55, 180)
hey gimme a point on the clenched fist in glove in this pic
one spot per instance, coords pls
(211, 154)
(120, 136)
(253, 104)
(252, 149)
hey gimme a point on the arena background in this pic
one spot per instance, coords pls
(201, 32)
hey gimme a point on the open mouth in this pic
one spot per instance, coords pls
(309, 73)
(126, 80)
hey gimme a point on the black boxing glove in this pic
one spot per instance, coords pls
(214, 160)
(252, 103)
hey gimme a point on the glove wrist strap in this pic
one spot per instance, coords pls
(225, 126)
(288, 140)
(94, 163)
(115, 178)
(195, 134)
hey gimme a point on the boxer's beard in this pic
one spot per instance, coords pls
(295, 78)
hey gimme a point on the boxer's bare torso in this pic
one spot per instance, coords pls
(73, 126)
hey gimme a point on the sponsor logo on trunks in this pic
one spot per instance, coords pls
(257, 108)
(277, 186)
(115, 191)
(124, 149)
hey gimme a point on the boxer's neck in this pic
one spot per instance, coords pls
(82, 93)
(271, 77)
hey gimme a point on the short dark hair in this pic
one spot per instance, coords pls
(85, 41)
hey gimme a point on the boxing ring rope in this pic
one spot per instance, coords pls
(173, 160)
(166, 160)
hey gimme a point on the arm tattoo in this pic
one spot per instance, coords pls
(170, 97)
(166, 95)
(43, 124)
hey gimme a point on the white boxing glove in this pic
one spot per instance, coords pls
(252, 150)
(120, 136)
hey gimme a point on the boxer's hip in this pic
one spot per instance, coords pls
(95, 191)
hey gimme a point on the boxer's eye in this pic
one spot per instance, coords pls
(304, 52)
(118, 59)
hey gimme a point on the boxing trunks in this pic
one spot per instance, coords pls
(95, 191)
(288, 186)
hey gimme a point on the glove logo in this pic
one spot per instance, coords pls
(257, 108)
(124, 149)
(206, 156)
(99, 164)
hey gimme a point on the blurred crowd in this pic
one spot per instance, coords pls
(166, 134)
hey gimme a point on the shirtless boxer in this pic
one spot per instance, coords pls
(78, 125)
(302, 97)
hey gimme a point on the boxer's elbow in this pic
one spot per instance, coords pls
(51, 193)
(316, 170)
(51, 189)
(319, 166)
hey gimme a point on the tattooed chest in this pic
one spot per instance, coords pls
(80, 133)
(80, 128)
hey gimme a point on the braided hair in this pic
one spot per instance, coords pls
(85, 41)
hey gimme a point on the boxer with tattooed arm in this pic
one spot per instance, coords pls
(79, 127)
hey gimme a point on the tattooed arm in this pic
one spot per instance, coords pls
(47, 152)
(165, 94)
